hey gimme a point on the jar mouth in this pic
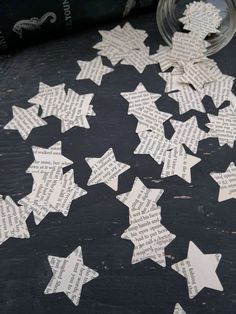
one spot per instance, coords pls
(168, 24)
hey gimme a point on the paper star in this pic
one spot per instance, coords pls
(188, 99)
(149, 237)
(140, 199)
(12, 224)
(199, 270)
(93, 70)
(163, 57)
(187, 133)
(153, 143)
(139, 59)
(106, 169)
(48, 158)
(178, 309)
(173, 81)
(219, 91)
(25, 120)
(227, 182)
(223, 127)
(177, 162)
(50, 98)
(76, 108)
(69, 275)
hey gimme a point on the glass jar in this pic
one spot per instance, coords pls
(169, 12)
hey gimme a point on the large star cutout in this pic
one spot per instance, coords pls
(140, 199)
(188, 99)
(69, 275)
(50, 98)
(178, 309)
(25, 120)
(12, 222)
(177, 162)
(149, 237)
(187, 133)
(76, 108)
(223, 126)
(48, 158)
(93, 70)
(106, 169)
(139, 59)
(199, 270)
(227, 182)
(153, 143)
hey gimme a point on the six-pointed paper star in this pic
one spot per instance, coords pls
(93, 70)
(200, 270)
(106, 169)
(25, 120)
(227, 182)
(69, 275)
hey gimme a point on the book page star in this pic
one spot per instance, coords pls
(25, 120)
(106, 169)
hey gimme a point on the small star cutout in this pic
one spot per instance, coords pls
(227, 182)
(178, 309)
(25, 120)
(199, 270)
(69, 275)
(93, 70)
(106, 169)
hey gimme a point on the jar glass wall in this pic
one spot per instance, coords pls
(169, 12)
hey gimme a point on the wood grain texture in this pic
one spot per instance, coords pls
(97, 220)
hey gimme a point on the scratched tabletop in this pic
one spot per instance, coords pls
(97, 220)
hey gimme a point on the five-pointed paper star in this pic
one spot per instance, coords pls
(76, 108)
(50, 98)
(140, 199)
(178, 309)
(223, 127)
(93, 70)
(188, 99)
(69, 275)
(149, 237)
(227, 182)
(48, 158)
(187, 133)
(153, 143)
(177, 162)
(25, 120)
(199, 270)
(139, 59)
(106, 169)
(12, 222)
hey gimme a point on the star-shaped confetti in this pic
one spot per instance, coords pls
(12, 222)
(139, 59)
(187, 133)
(76, 109)
(50, 98)
(163, 57)
(178, 162)
(188, 99)
(25, 120)
(153, 143)
(199, 270)
(149, 237)
(173, 81)
(106, 169)
(93, 70)
(69, 275)
(178, 309)
(223, 127)
(227, 182)
(140, 199)
(48, 158)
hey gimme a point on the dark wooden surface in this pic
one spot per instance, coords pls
(96, 221)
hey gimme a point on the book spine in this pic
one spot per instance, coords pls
(24, 22)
